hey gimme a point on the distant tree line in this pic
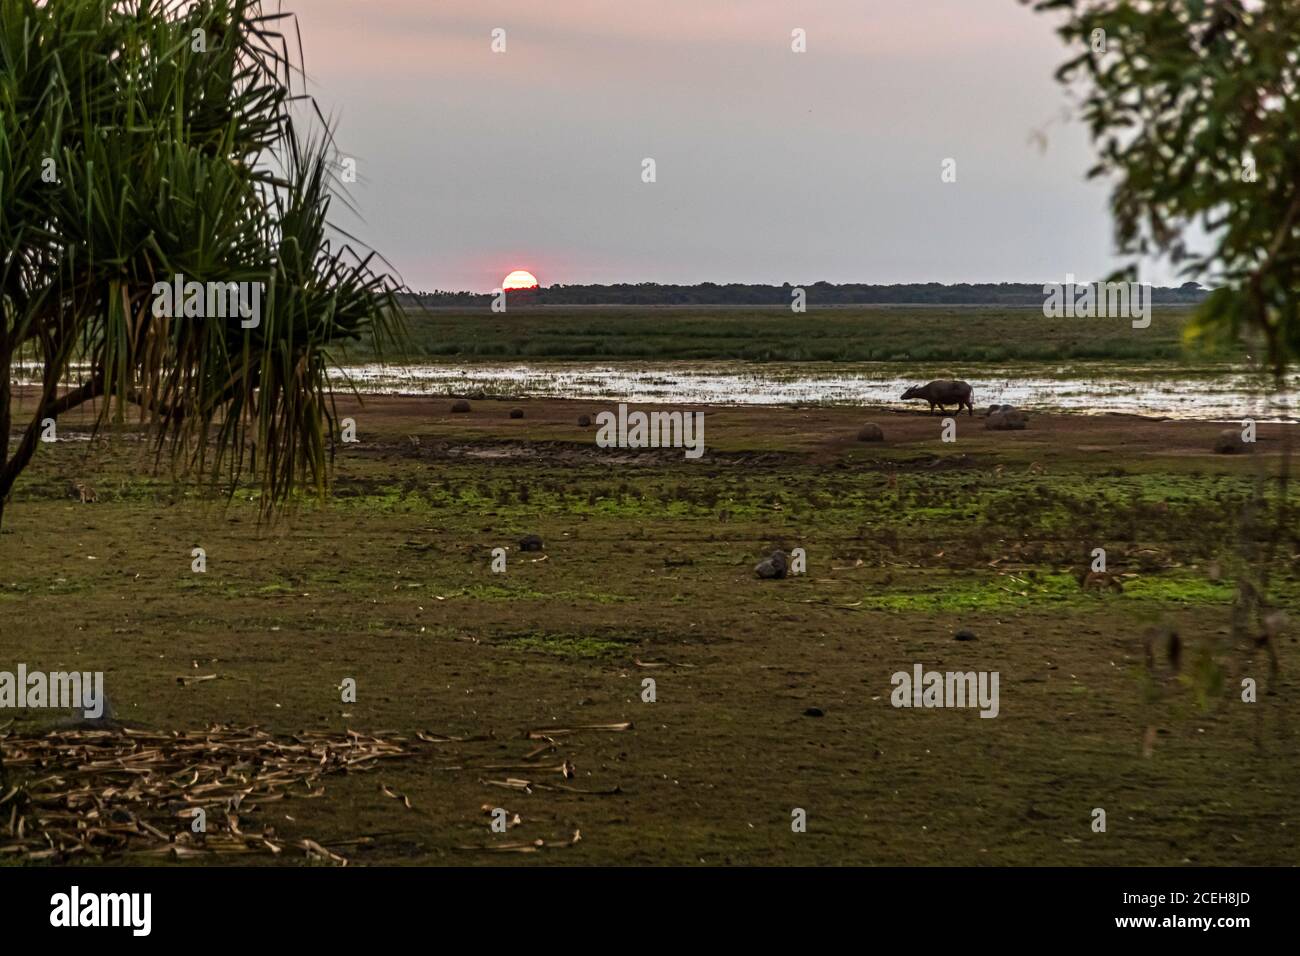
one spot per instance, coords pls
(818, 294)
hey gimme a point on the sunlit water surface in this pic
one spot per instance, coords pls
(1168, 392)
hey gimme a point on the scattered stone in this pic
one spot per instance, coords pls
(584, 421)
(516, 413)
(965, 635)
(1007, 419)
(107, 720)
(82, 491)
(774, 565)
(871, 432)
(1230, 442)
(460, 405)
(1102, 581)
(530, 542)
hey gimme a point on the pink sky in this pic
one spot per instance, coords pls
(772, 165)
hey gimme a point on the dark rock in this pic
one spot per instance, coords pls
(530, 542)
(964, 635)
(774, 566)
(584, 421)
(78, 720)
(814, 712)
(516, 413)
(870, 432)
(1229, 442)
(460, 405)
(1007, 419)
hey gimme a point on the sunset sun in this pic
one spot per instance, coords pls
(519, 279)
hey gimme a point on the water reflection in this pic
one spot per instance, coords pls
(1162, 393)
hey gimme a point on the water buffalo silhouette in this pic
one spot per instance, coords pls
(944, 393)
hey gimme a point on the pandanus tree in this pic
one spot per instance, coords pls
(146, 140)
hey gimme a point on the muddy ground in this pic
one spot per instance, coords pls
(770, 695)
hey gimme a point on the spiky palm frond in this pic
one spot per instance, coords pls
(141, 140)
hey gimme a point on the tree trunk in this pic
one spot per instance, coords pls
(6, 413)
(49, 406)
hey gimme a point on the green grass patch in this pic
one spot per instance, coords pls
(497, 592)
(566, 646)
(852, 334)
(1007, 592)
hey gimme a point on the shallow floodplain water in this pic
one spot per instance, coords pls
(1155, 391)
